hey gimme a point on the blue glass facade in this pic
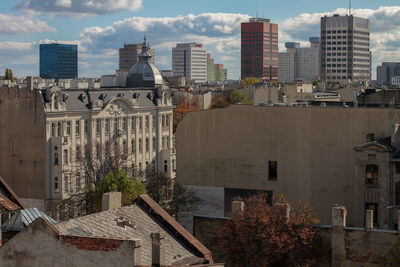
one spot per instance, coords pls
(58, 61)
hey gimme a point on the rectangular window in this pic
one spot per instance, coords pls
(65, 156)
(163, 142)
(77, 127)
(140, 123)
(140, 144)
(371, 174)
(66, 183)
(107, 126)
(133, 146)
(272, 170)
(98, 126)
(154, 143)
(165, 165)
(374, 208)
(86, 126)
(53, 129)
(166, 120)
(78, 181)
(154, 122)
(147, 123)
(68, 128)
(133, 123)
(147, 144)
(124, 124)
(167, 140)
(163, 121)
(115, 125)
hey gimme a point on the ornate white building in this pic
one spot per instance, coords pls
(138, 117)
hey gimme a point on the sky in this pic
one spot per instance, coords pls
(100, 27)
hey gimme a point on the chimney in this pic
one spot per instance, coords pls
(111, 200)
(398, 221)
(237, 206)
(157, 249)
(29, 81)
(337, 236)
(339, 216)
(369, 220)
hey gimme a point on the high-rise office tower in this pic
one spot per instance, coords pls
(389, 73)
(300, 62)
(129, 56)
(190, 60)
(58, 61)
(345, 52)
(259, 57)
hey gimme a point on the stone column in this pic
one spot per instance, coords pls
(338, 244)
(157, 249)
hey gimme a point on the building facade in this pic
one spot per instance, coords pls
(259, 53)
(215, 72)
(190, 61)
(48, 129)
(58, 61)
(323, 156)
(388, 73)
(129, 56)
(300, 63)
(345, 49)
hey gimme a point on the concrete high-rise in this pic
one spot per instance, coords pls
(215, 72)
(58, 61)
(259, 55)
(190, 60)
(345, 49)
(300, 62)
(129, 56)
(389, 73)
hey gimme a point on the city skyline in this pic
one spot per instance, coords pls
(100, 29)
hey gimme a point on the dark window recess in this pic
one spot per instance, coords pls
(397, 164)
(371, 174)
(272, 170)
(397, 194)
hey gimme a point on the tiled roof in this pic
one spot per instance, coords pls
(131, 222)
(8, 199)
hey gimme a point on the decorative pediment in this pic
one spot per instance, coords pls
(118, 107)
(373, 146)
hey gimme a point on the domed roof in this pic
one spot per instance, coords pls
(144, 73)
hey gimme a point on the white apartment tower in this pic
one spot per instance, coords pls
(300, 62)
(345, 51)
(190, 60)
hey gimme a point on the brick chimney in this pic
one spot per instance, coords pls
(157, 249)
(111, 200)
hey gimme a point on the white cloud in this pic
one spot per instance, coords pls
(77, 8)
(10, 24)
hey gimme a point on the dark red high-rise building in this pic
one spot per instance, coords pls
(260, 53)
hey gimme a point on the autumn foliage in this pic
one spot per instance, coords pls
(263, 235)
(183, 106)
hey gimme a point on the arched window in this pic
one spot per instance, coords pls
(55, 158)
(56, 102)
(56, 185)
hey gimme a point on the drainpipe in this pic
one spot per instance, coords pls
(391, 196)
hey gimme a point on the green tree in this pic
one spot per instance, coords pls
(219, 101)
(8, 75)
(130, 187)
(249, 81)
(239, 97)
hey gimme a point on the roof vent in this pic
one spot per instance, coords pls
(150, 96)
(121, 222)
(65, 97)
(120, 94)
(136, 95)
(103, 96)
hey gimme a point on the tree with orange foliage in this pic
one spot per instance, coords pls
(265, 235)
(184, 104)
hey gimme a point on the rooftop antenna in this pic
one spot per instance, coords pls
(257, 9)
(349, 7)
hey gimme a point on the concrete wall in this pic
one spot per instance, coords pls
(231, 147)
(38, 245)
(22, 142)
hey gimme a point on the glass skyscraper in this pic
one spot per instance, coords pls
(58, 61)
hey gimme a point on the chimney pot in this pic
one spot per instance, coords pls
(369, 220)
(157, 249)
(339, 216)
